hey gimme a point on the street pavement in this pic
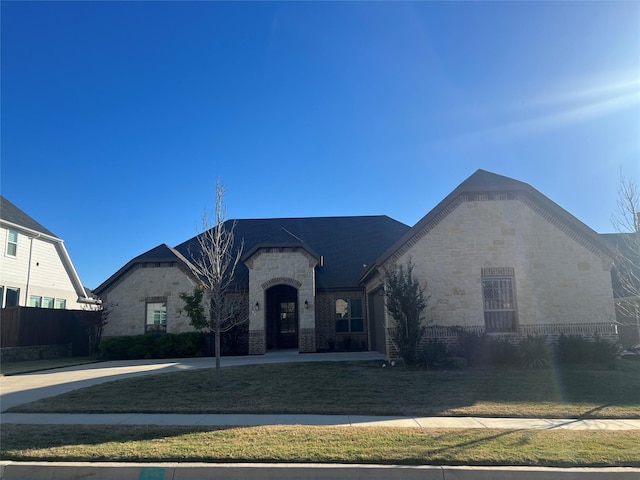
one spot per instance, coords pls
(19, 389)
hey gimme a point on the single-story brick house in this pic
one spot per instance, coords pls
(496, 256)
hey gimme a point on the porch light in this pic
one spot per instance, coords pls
(306, 304)
(257, 306)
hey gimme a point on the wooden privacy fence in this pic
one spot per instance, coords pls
(29, 326)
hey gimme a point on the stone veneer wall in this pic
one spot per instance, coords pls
(559, 279)
(269, 267)
(128, 298)
(37, 352)
(326, 320)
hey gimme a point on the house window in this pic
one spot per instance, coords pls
(498, 292)
(13, 297)
(156, 317)
(288, 321)
(12, 243)
(47, 302)
(35, 301)
(60, 303)
(349, 316)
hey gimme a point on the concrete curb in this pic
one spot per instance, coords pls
(192, 471)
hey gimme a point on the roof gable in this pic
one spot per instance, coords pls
(487, 185)
(160, 254)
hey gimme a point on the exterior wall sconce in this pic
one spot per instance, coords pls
(257, 306)
(306, 304)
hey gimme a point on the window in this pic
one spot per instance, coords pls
(156, 317)
(499, 299)
(12, 243)
(60, 303)
(47, 302)
(288, 321)
(35, 301)
(349, 316)
(13, 297)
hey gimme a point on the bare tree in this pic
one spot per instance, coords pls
(626, 222)
(215, 265)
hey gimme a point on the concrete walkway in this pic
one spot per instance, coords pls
(19, 389)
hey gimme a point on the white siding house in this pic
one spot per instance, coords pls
(35, 268)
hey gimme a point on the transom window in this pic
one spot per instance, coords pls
(500, 314)
(47, 302)
(12, 243)
(349, 317)
(156, 317)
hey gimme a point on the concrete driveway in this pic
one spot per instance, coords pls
(19, 389)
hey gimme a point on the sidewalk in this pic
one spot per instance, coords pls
(212, 420)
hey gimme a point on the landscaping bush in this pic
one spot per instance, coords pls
(534, 353)
(455, 363)
(576, 350)
(501, 352)
(168, 345)
(433, 354)
(472, 347)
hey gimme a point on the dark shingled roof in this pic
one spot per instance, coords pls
(348, 244)
(10, 213)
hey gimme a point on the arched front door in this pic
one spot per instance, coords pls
(282, 317)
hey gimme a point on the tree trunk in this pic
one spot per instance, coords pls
(217, 334)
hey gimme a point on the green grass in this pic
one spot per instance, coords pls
(364, 388)
(28, 366)
(320, 444)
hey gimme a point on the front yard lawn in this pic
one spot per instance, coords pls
(364, 388)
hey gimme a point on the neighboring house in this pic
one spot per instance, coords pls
(496, 256)
(35, 268)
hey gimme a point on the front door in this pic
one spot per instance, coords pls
(282, 317)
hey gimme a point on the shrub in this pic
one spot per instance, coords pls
(501, 352)
(573, 349)
(455, 363)
(405, 301)
(473, 347)
(534, 352)
(168, 345)
(433, 354)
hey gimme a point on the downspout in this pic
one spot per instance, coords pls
(26, 292)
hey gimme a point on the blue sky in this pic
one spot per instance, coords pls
(117, 117)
